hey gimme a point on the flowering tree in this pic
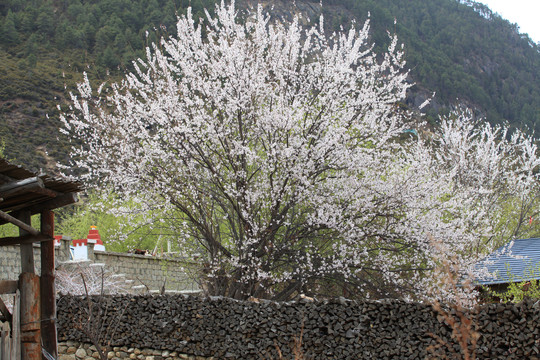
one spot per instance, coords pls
(280, 152)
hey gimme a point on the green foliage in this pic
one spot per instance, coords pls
(517, 290)
(8, 32)
(10, 230)
(120, 227)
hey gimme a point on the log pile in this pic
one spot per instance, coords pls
(334, 329)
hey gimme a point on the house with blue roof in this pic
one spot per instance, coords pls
(517, 261)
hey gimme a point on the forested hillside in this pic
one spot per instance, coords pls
(461, 51)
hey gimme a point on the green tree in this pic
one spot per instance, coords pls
(9, 32)
(520, 289)
(45, 20)
(109, 59)
(120, 231)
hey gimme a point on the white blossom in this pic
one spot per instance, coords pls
(281, 152)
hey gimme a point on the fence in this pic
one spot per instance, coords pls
(10, 337)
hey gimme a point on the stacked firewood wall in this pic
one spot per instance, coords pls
(337, 329)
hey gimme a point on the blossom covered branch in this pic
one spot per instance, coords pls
(281, 152)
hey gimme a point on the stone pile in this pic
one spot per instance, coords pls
(337, 329)
(73, 350)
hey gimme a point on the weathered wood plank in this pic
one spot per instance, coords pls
(5, 341)
(21, 224)
(16, 328)
(18, 187)
(5, 311)
(47, 287)
(27, 250)
(27, 239)
(58, 201)
(30, 316)
(8, 286)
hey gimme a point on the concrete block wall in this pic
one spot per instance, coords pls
(146, 272)
(10, 260)
(151, 271)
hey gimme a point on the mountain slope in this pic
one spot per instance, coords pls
(457, 49)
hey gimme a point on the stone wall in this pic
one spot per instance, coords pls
(151, 271)
(338, 329)
(73, 350)
(143, 272)
(10, 260)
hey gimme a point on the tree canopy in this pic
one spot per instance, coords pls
(280, 152)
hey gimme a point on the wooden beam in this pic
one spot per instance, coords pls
(20, 224)
(17, 187)
(49, 337)
(60, 201)
(6, 178)
(8, 286)
(47, 192)
(27, 239)
(5, 312)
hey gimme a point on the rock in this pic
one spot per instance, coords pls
(80, 353)
(67, 357)
(110, 354)
(71, 350)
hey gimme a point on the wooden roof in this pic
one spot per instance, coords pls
(21, 189)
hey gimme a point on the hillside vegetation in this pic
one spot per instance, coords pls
(462, 52)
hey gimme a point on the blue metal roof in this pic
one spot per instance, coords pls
(517, 261)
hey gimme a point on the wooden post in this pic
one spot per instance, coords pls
(27, 250)
(30, 316)
(16, 328)
(47, 286)
(30, 312)
(5, 342)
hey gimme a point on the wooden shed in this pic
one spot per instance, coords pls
(23, 194)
